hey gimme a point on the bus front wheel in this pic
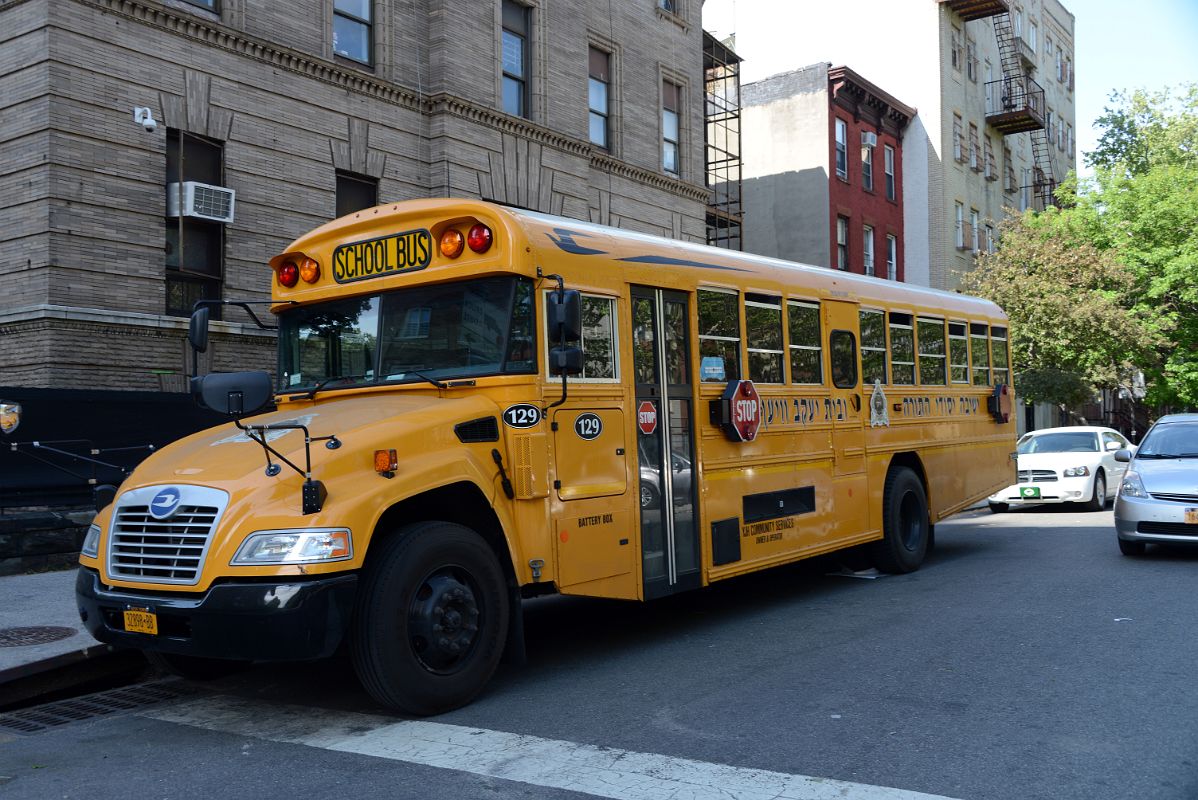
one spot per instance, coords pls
(431, 619)
(905, 526)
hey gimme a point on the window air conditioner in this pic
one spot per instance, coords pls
(200, 200)
(869, 139)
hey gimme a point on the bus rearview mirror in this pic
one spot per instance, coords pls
(565, 361)
(197, 331)
(564, 314)
(234, 393)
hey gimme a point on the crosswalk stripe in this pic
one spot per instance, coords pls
(599, 771)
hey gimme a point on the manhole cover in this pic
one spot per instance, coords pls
(42, 634)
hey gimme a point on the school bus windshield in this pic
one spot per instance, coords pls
(444, 331)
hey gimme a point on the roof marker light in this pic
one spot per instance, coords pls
(451, 243)
(479, 238)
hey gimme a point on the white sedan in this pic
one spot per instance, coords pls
(1066, 465)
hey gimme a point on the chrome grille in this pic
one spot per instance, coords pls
(1176, 498)
(1036, 476)
(141, 548)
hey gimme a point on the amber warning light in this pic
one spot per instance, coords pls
(293, 269)
(385, 462)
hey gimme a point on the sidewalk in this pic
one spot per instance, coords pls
(40, 627)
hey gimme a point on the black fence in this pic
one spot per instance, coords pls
(78, 421)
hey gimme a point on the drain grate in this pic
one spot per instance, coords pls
(64, 712)
(42, 634)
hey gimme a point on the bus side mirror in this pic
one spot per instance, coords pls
(1123, 455)
(565, 361)
(234, 393)
(197, 331)
(564, 314)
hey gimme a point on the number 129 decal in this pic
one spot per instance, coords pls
(522, 415)
(588, 426)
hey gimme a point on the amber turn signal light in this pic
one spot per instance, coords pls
(452, 243)
(309, 270)
(385, 461)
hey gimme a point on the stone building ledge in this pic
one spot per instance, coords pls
(131, 318)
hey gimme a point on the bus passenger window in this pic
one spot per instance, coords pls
(979, 349)
(719, 336)
(998, 348)
(958, 352)
(902, 349)
(763, 324)
(843, 350)
(931, 351)
(598, 338)
(805, 358)
(873, 347)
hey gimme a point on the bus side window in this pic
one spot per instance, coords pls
(763, 324)
(979, 350)
(930, 333)
(873, 347)
(719, 336)
(902, 349)
(598, 338)
(958, 352)
(999, 355)
(843, 350)
(805, 358)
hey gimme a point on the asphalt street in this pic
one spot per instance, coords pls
(1026, 659)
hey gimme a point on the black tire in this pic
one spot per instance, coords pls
(1098, 501)
(1131, 548)
(429, 579)
(905, 528)
(194, 668)
(999, 508)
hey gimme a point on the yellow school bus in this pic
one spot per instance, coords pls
(476, 404)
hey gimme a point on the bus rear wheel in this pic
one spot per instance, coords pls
(431, 620)
(905, 529)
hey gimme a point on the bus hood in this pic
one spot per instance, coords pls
(226, 458)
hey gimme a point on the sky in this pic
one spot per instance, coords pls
(1118, 45)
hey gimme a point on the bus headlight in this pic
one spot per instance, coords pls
(298, 546)
(91, 542)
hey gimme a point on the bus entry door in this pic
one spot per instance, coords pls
(849, 487)
(664, 441)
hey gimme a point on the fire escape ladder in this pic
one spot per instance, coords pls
(1008, 53)
(1018, 87)
(1045, 182)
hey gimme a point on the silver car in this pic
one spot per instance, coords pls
(1158, 496)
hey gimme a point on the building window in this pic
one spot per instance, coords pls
(1010, 186)
(763, 333)
(958, 138)
(194, 247)
(892, 257)
(842, 242)
(719, 335)
(352, 29)
(842, 150)
(960, 227)
(973, 229)
(975, 161)
(955, 53)
(971, 60)
(867, 249)
(355, 192)
(515, 58)
(888, 167)
(671, 101)
(1048, 47)
(1018, 23)
(1031, 35)
(668, 5)
(1068, 138)
(867, 167)
(598, 97)
(991, 169)
(805, 360)
(989, 238)
(989, 88)
(211, 5)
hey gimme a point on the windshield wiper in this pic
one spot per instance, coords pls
(335, 379)
(1166, 455)
(433, 381)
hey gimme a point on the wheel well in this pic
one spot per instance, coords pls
(912, 461)
(462, 503)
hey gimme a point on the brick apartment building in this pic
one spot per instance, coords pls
(822, 152)
(306, 110)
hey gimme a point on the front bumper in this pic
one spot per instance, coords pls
(290, 621)
(1062, 490)
(1146, 519)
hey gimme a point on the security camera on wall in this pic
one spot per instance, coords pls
(145, 118)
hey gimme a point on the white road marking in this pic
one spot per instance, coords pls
(599, 771)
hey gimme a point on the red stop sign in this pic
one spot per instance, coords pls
(646, 417)
(745, 411)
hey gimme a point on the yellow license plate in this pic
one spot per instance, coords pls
(1192, 516)
(141, 620)
(388, 255)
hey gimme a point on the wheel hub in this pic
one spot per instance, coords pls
(443, 621)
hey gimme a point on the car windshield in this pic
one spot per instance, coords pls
(1171, 440)
(452, 330)
(1067, 442)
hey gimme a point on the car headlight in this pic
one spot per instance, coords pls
(1132, 486)
(1076, 472)
(299, 546)
(91, 542)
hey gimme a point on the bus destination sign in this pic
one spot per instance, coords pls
(388, 255)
